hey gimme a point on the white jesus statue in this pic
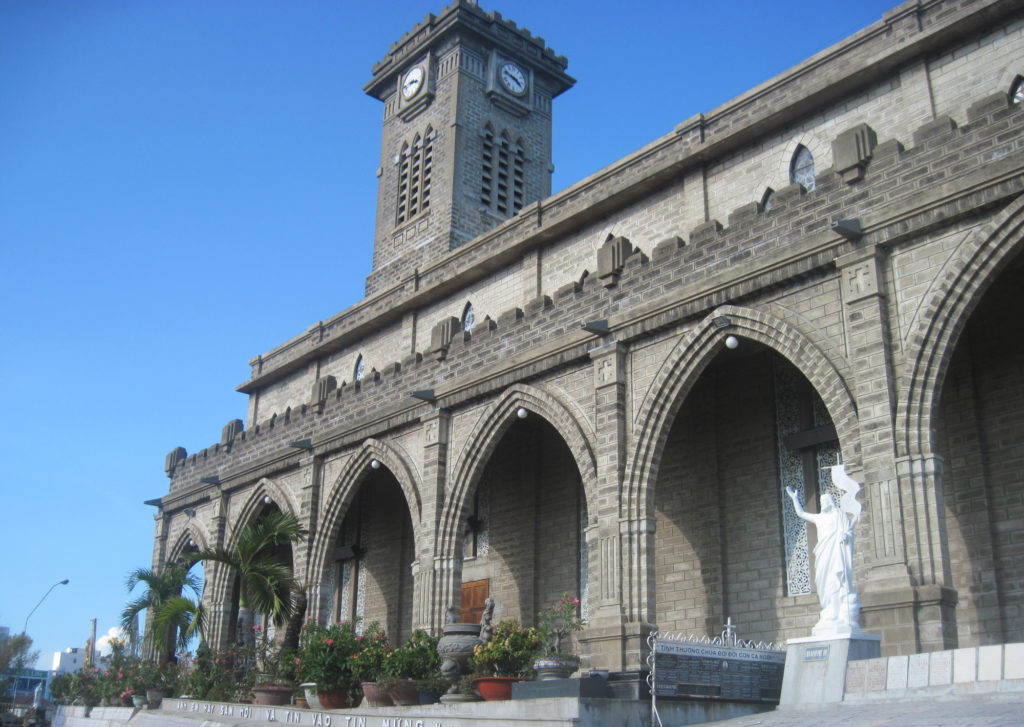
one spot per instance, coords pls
(833, 557)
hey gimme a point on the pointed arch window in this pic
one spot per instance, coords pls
(415, 164)
(468, 318)
(502, 180)
(1017, 91)
(801, 169)
(359, 369)
(766, 199)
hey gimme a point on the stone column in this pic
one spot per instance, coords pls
(218, 591)
(310, 487)
(902, 593)
(617, 619)
(436, 565)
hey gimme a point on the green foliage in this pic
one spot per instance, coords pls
(373, 650)
(325, 656)
(61, 688)
(15, 654)
(265, 583)
(556, 622)
(415, 659)
(171, 626)
(218, 676)
(510, 652)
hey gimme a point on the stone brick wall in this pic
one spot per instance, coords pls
(677, 450)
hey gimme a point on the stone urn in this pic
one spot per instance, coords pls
(455, 649)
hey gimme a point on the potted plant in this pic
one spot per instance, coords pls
(504, 659)
(325, 659)
(273, 672)
(409, 667)
(158, 681)
(555, 625)
(368, 664)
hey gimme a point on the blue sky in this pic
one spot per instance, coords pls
(185, 184)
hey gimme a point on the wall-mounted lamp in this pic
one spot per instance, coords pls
(301, 444)
(599, 327)
(731, 342)
(191, 543)
(424, 394)
(267, 500)
(189, 511)
(374, 464)
(848, 229)
(522, 413)
(211, 480)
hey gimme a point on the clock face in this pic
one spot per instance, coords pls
(412, 82)
(513, 78)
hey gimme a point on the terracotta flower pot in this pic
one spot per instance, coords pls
(494, 689)
(334, 698)
(271, 695)
(405, 694)
(375, 696)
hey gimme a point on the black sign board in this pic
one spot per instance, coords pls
(731, 673)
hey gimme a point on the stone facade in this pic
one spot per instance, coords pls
(638, 460)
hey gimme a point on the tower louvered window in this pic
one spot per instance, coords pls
(414, 168)
(503, 180)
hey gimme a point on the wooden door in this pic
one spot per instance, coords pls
(474, 593)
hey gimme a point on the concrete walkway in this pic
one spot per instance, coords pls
(990, 710)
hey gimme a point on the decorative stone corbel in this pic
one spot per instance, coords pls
(611, 258)
(851, 152)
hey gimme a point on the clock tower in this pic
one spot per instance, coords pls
(467, 134)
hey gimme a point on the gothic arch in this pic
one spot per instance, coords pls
(220, 578)
(684, 366)
(253, 504)
(347, 484)
(195, 531)
(933, 333)
(819, 148)
(488, 431)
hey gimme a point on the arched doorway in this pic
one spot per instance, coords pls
(979, 435)
(369, 561)
(727, 543)
(522, 525)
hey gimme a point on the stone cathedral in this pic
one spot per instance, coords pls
(607, 391)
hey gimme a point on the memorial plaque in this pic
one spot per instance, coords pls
(857, 676)
(875, 681)
(940, 669)
(708, 671)
(917, 671)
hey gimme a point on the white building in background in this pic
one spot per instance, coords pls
(68, 661)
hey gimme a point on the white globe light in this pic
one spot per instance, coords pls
(521, 413)
(731, 342)
(374, 464)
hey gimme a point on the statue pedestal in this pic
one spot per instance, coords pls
(816, 667)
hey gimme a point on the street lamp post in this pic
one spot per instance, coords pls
(24, 629)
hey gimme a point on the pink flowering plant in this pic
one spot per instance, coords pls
(558, 621)
(326, 654)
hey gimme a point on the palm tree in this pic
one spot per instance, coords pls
(164, 628)
(265, 584)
